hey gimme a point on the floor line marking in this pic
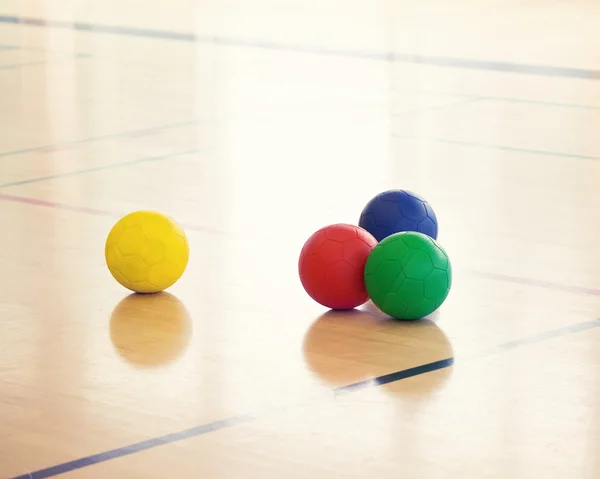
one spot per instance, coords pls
(103, 168)
(535, 339)
(498, 66)
(137, 447)
(50, 62)
(94, 211)
(100, 138)
(488, 146)
(537, 283)
(502, 99)
(394, 377)
(246, 418)
(554, 104)
(445, 106)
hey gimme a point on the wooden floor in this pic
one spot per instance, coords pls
(255, 123)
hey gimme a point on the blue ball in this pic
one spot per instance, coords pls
(398, 210)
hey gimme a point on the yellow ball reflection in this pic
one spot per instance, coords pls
(150, 330)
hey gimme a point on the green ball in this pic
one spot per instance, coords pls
(408, 275)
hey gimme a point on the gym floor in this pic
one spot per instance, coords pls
(253, 124)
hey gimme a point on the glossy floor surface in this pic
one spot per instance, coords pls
(255, 123)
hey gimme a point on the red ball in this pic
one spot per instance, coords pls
(332, 265)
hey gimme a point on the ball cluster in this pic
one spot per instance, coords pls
(401, 267)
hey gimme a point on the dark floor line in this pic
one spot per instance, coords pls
(394, 377)
(472, 64)
(137, 447)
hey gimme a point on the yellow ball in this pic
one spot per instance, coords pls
(146, 251)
